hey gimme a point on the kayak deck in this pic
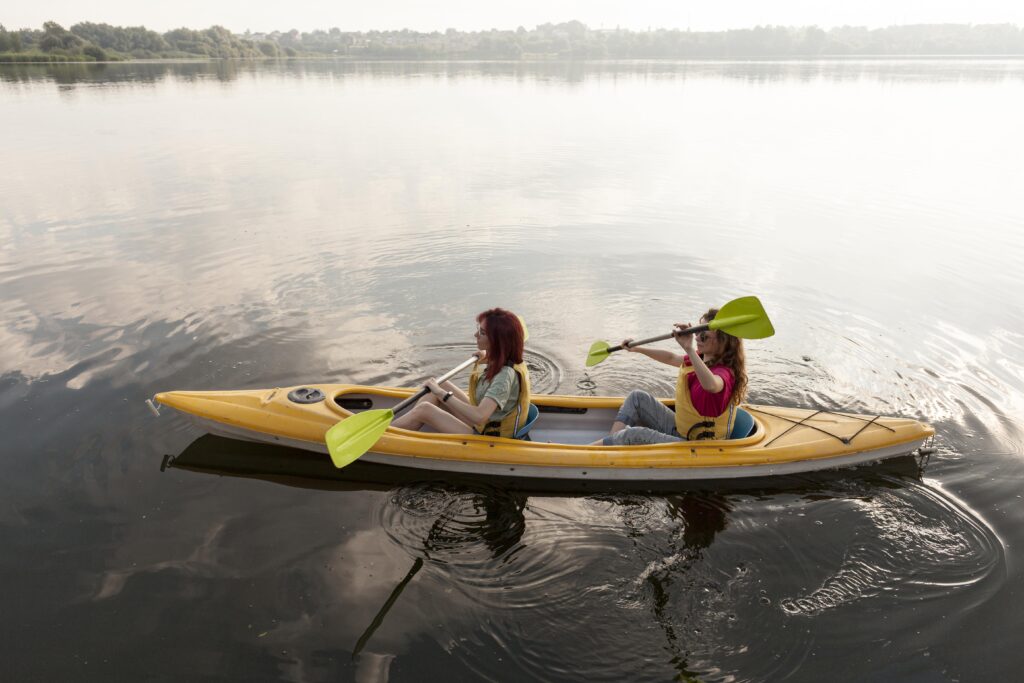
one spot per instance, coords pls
(785, 440)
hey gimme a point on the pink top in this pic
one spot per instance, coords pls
(706, 403)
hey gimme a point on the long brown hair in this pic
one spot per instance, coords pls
(733, 357)
(504, 338)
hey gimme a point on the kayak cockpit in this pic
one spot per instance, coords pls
(569, 420)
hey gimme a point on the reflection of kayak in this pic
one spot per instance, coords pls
(212, 454)
(784, 440)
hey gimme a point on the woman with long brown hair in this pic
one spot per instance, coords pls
(711, 384)
(498, 398)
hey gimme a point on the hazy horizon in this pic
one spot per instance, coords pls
(464, 15)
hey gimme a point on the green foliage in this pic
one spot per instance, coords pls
(269, 48)
(136, 41)
(27, 57)
(574, 40)
(569, 40)
(95, 52)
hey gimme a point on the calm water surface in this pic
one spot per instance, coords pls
(209, 226)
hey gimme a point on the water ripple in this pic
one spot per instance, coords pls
(911, 543)
(610, 379)
(545, 372)
(679, 579)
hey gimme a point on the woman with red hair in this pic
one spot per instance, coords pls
(498, 399)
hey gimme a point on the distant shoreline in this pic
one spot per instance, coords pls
(568, 41)
(525, 60)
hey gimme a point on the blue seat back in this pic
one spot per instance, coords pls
(743, 426)
(531, 417)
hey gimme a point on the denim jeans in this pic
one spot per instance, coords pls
(647, 420)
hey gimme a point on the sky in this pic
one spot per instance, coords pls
(475, 15)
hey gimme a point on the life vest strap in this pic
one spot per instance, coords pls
(709, 431)
(492, 428)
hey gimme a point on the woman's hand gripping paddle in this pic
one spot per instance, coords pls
(744, 317)
(355, 435)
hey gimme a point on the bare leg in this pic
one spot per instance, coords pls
(407, 421)
(431, 414)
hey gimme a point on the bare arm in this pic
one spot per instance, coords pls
(661, 355)
(456, 391)
(711, 382)
(459, 406)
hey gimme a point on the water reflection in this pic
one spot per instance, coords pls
(496, 519)
(904, 535)
(701, 516)
(674, 577)
(112, 75)
(563, 72)
(241, 225)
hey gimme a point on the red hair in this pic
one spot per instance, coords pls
(504, 338)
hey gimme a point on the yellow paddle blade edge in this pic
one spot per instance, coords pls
(598, 352)
(353, 436)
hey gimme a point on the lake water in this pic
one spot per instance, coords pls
(213, 226)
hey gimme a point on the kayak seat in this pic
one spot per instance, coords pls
(743, 426)
(531, 417)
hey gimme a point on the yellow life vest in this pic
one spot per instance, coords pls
(510, 424)
(692, 425)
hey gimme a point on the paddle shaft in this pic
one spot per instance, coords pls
(690, 330)
(424, 391)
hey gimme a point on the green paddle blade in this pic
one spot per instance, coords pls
(598, 352)
(745, 318)
(355, 435)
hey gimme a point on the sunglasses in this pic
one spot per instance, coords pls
(703, 336)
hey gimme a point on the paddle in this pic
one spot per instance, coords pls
(355, 435)
(744, 317)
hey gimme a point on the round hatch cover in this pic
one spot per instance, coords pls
(305, 395)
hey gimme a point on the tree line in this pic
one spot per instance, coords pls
(103, 42)
(570, 40)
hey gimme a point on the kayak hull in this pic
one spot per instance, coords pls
(785, 440)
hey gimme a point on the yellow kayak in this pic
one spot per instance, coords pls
(781, 441)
